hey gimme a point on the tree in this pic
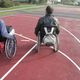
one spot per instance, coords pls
(29, 1)
(6, 3)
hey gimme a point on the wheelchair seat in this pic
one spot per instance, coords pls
(50, 38)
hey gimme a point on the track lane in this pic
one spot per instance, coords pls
(6, 64)
(32, 36)
(73, 25)
(44, 66)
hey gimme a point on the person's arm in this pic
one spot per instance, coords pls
(57, 25)
(4, 32)
(38, 26)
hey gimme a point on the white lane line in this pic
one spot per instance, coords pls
(70, 34)
(25, 40)
(69, 59)
(20, 35)
(30, 51)
(59, 52)
(17, 63)
(35, 46)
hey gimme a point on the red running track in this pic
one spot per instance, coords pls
(45, 65)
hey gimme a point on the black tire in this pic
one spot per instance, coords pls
(38, 43)
(10, 48)
(56, 45)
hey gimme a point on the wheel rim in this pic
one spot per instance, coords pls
(10, 49)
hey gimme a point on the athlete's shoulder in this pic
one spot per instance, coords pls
(1, 20)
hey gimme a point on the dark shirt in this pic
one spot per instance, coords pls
(47, 20)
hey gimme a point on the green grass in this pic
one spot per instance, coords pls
(7, 13)
(20, 6)
(27, 7)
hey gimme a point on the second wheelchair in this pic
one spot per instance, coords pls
(9, 45)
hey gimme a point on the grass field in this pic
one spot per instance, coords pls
(12, 10)
(29, 8)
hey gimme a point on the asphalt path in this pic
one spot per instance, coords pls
(68, 12)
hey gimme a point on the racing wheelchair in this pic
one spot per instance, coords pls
(9, 45)
(50, 39)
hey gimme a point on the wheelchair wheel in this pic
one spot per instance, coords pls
(56, 44)
(10, 48)
(38, 43)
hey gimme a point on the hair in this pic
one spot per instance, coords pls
(49, 10)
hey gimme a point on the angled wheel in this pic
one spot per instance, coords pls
(56, 44)
(10, 48)
(38, 43)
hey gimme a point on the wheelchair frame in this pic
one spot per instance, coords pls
(55, 46)
(10, 48)
(9, 44)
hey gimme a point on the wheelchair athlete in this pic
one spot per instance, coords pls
(48, 21)
(7, 37)
(4, 32)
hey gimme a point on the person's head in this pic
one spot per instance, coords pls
(49, 10)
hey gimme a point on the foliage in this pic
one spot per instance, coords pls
(16, 3)
(78, 3)
(6, 3)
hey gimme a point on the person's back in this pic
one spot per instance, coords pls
(47, 21)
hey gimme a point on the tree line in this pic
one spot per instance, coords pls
(10, 3)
